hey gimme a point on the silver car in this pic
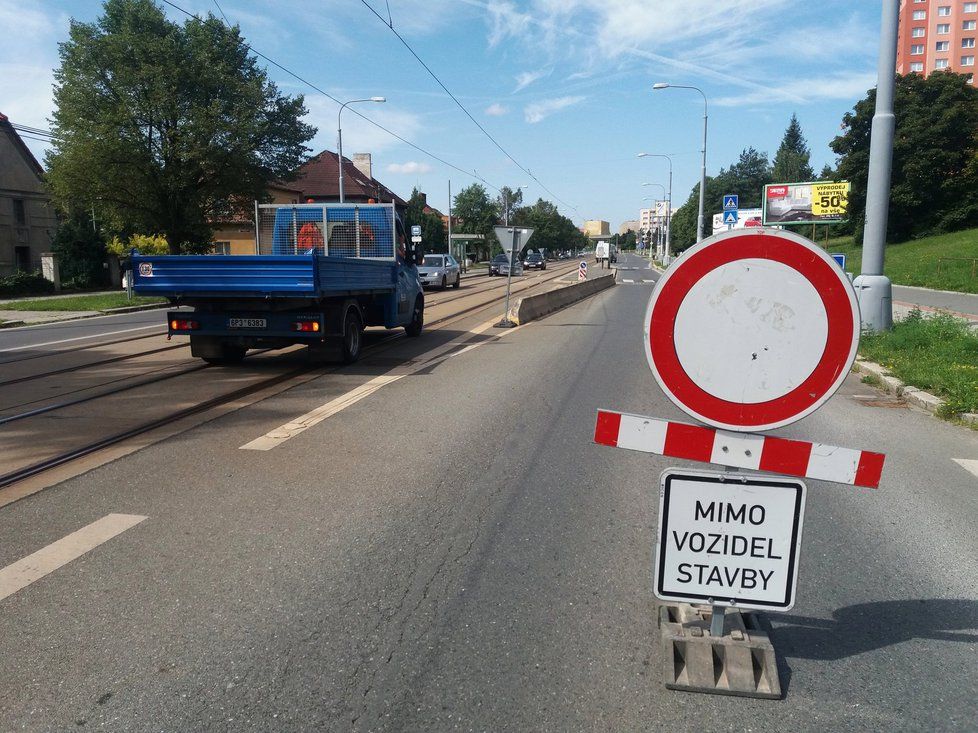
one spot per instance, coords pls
(439, 271)
(517, 268)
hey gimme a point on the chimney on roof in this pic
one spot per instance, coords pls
(362, 163)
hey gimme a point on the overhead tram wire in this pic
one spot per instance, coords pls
(485, 132)
(326, 94)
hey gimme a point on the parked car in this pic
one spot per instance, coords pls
(495, 263)
(535, 261)
(439, 271)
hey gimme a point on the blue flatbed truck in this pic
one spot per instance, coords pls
(321, 273)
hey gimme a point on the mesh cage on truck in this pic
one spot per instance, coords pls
(336, 230)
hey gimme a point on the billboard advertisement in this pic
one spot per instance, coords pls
(746, 218)
(816, 202)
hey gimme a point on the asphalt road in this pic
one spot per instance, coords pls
(452, 552)
(960, 302)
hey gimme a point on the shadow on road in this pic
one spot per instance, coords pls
(866, 627)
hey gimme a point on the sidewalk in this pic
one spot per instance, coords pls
(18, 318)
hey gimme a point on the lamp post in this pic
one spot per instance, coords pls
(668, 253)
(699, 219)
(659, 237)
(339, 134)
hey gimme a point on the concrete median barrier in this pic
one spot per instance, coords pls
(531, 307)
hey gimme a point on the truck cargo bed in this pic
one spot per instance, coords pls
(260, 276)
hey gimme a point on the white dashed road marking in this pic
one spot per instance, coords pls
(968, 465)
(35, 566)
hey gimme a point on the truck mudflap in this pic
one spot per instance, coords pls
(253, 327)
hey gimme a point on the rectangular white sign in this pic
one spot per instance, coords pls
(730, 539)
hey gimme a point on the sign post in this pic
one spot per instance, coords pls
(731, 205)
(751, 330)
(513, 240)
(582, 271)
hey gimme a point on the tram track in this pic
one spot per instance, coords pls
(36, 468)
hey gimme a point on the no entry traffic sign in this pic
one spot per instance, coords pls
(752, 329)
(729, 539)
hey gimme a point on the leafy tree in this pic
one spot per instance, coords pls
(746, 178)
(509, 199)
(935, 156)
(477, 214)
(552, 230)
(81, 251)
(828, 173)
(433, 235)
(166, 123)
(791, 162)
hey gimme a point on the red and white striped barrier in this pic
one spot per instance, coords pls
(739, 450)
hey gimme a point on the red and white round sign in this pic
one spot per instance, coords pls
(752, 329)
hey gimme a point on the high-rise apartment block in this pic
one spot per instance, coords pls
(937, 35)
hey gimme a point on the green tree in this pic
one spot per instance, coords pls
(509, 199)
(552, 231)
(935, 156)
(81, 252)
(828, 173)
(477, 214)
(166, 123)
(433, 235)
(792, 161)
(746, 178)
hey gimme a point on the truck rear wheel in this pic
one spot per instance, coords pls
(352, 335)
(417, 319)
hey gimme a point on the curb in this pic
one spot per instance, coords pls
(98, 314)
(913, 395)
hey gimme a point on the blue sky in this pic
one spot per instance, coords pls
(564, 86)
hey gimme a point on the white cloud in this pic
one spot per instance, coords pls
(538, 111)
(525, 78)
(359, 136)
(852, 85)
(411, 167)
(496, 110)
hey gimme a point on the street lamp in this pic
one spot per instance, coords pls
(668, 254)
(339, 134)
(699, 219)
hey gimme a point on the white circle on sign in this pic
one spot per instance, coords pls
(751, 330)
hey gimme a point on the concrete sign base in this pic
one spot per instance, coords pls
(741, 662)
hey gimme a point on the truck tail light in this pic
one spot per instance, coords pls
(180, 324)
(306, 326)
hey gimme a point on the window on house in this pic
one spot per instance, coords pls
(917, 33)
(221, 248)
(969, 25)
(940, 64)
(943, 46)
(917, 49)
(967, 60)
(967, 43)
(920, 15)
(971, 78)
(944, 10)
(944, 28)
(916, 66)
(971, 7)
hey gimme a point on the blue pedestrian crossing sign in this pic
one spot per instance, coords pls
(730, 217)
(731, 201)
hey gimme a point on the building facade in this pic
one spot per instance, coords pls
(27, 218)
(937, 35)
(597, 228)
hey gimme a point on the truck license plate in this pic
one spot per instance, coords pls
(247, 323)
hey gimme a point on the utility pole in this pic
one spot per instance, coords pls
(873, 288)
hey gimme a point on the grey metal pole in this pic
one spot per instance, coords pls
(873, 288)
(668, 256)
(339, 154)
(505, 322)
(699, 219)
(462, 258)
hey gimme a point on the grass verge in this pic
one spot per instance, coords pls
(99, 302)
(918, 262)
(938, 354)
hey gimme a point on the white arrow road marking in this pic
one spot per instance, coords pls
(628, 281)
(289, 430)
(35, 566)
(968, 464)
